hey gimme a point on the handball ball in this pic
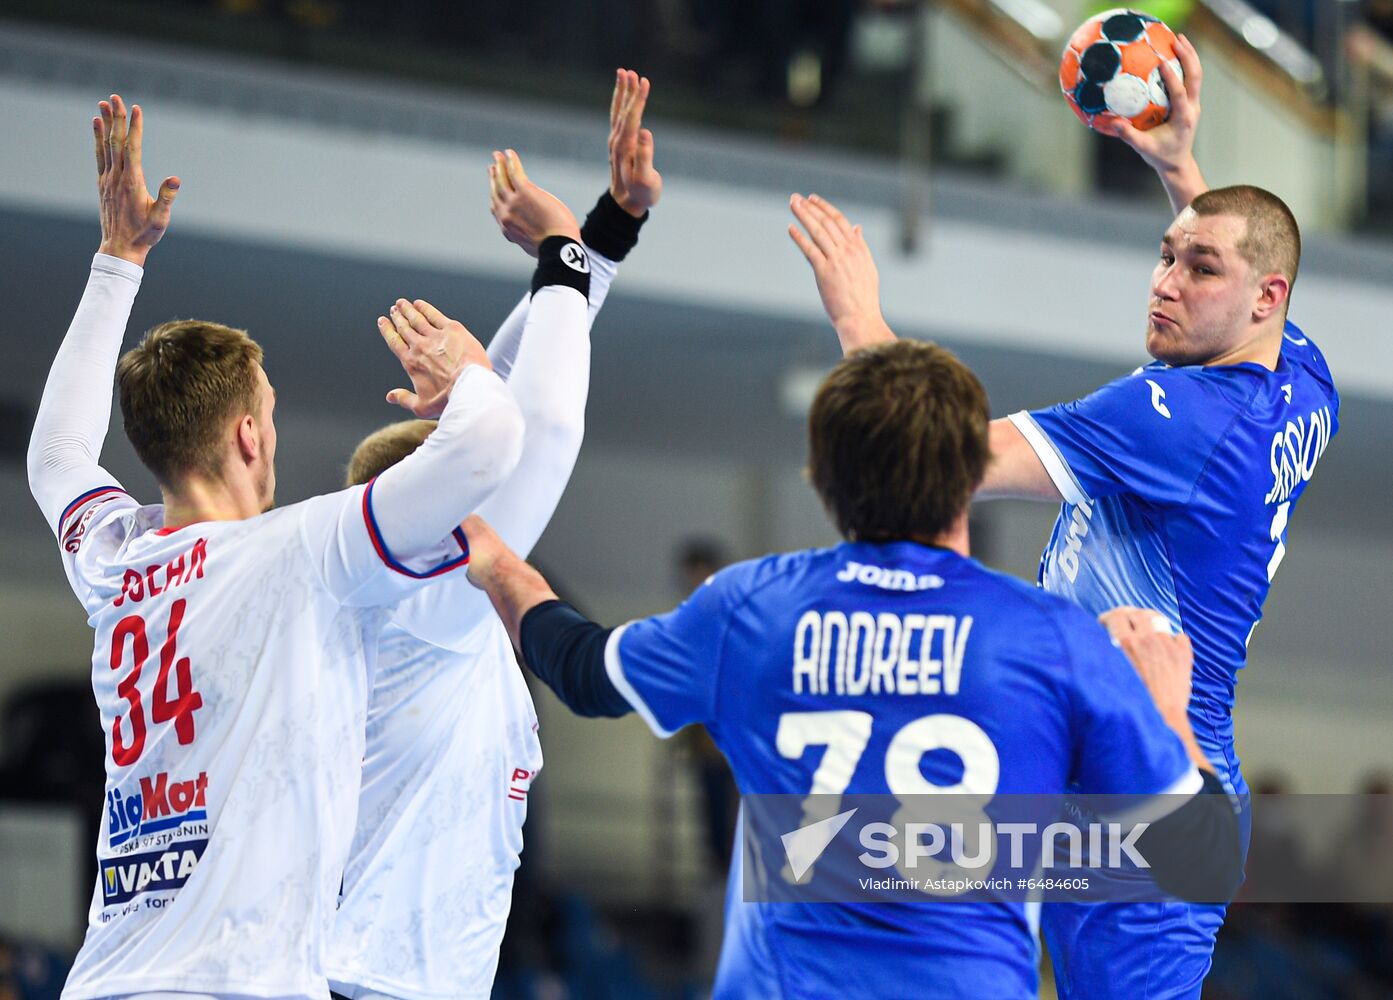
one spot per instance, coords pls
(1111, 69)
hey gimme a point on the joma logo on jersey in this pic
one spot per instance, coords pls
(157, 871)
(888, 579)
(159, 804)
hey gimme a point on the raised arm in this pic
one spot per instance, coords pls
(551, 375)
(1169, 147)
(610, 230)
(475, 446)
(550, 378)
(75, 410)
(844, 270)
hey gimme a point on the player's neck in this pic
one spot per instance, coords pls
(1264, 348)
(200, 499)
(955, 539)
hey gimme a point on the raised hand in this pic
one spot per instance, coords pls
(845, 272)
(633, 181)
(1169, 147)
(433, 349)
(526, 214)
(132, 221)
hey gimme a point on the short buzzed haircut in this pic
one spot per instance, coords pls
(384, 448)
(898, 441)
(1272, 244)
(179, 388)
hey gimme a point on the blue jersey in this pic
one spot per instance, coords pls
(893, 668)
(1178, 487)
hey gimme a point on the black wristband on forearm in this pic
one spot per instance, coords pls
(609, 230)
(562, 261)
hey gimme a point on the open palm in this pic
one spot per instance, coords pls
(132, 221)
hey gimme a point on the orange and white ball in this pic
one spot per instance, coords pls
(1111, 69)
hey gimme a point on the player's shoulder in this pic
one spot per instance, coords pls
(321, 506)
(1301, 352)
(1162, 399)
(1056, 624)
(741, 580)
(1015, 599)
(104, 517)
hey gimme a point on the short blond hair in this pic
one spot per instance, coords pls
(1272, 242)
(384, 448)
(179, 387)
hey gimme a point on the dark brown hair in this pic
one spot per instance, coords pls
(384, 448)
(179, 388)
(1272, 243)
(897, 441)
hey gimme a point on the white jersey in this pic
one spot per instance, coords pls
(452, 732)
(232, 682)
(452, 752)
(231, 669)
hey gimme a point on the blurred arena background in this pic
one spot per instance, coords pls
(333, 155)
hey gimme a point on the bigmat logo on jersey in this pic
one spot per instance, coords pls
(158, 804)
(154, 871)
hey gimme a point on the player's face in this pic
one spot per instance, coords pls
(266, 470)
(1202, 292)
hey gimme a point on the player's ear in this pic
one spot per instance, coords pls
(248, 438)
(1271, 298)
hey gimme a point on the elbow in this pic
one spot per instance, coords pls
(504, 430)
(34, 464)
(555, 429)
(39, 462)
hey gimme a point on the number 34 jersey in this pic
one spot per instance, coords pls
(903, 669)
(231, 669)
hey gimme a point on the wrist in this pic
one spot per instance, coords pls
(611, 229)
(633, 208)
(133, 255)
(1183, 181)
(562, 260)
(856, 332)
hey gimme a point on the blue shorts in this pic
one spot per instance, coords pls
(1141, 951)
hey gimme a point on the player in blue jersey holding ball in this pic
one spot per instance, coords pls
(1023, 689)
(1177, 482)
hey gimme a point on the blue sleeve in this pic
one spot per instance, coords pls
(668, 666)
(1122, 746)
(1149, 434)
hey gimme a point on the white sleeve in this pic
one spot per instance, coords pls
(550, 382)
(503, 348)
(76, 407)
(404, 525)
